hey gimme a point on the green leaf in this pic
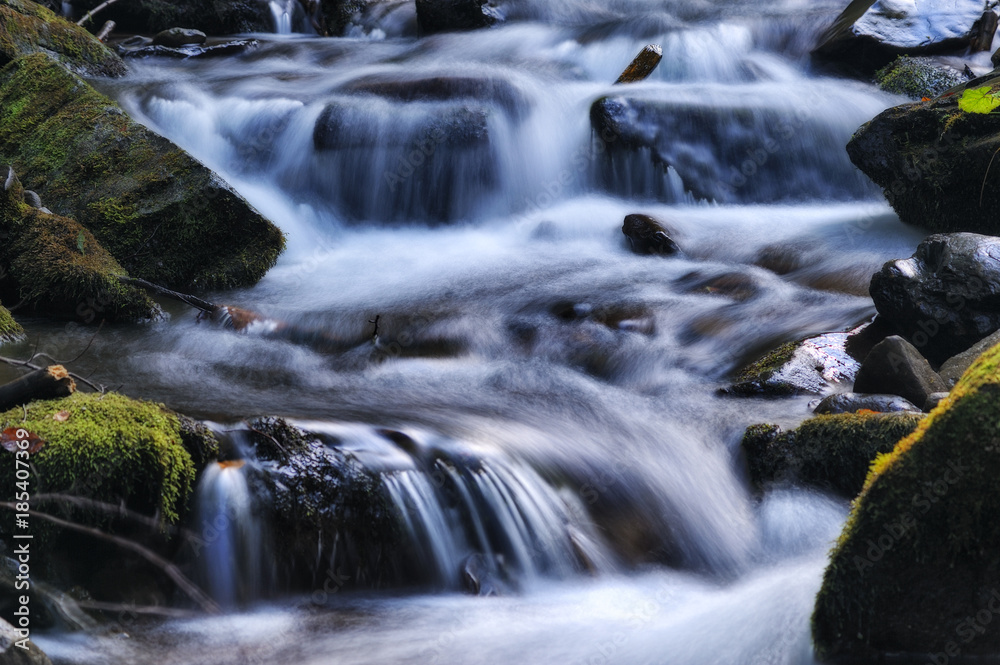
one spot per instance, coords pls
(979, 100)
(79, 242)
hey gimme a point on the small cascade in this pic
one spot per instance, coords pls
(283, 12)
(231, 554)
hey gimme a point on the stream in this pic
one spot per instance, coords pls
(481, 225)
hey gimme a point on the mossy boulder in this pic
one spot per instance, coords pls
(27, 27)
(829, 452)
(933, 160)
(808, 366)
(10, 330)
(164, 216)
(916, 568)
(107, 447)
(215, 17)
(917, 78)
(57, 267)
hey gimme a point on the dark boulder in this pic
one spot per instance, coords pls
(933, 161)
(646, 235)
(175, 37)
(952, 369)
(915, 576)
(830, 452)
(138, 48)
(854, 402)
(152, 16)
(452, 15)
(161, 214)
(895, 367)
(498, 91)
(946, 297)
(26, 27)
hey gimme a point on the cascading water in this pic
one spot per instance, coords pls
(457, 190)
(283, 12)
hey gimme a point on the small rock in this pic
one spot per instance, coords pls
(10, 654)
(917, 78)
(646, 235)
(175, 37)
(953, 368)
(811, 366)
(895, 367)
(854, 402)
(933, 400)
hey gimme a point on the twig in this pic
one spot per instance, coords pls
(173, 572)
(111, 509)
(30, 365)
(93, 11)
(197, 303)
(156, 610)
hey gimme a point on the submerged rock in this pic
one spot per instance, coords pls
(917, 78)
(153, 16)
(896, 367)
(854, 402)
(810, 366)
(13, 654)
(933, 162)
(164, 216)
(647, 235)
(138, 49)
(869, 35)
(26, 27)
(831, 452)
(945, 297)
(443, 88)
(451, 15)
(915, 570)
(175, 37)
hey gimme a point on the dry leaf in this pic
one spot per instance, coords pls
(61, 417)
(10, 437)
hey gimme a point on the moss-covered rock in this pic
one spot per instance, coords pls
(829, 452)
(932, 160)
(10, 330)
(916, 567)
(917, 78)
(161, 214)
(106, 447)
(808, 366)
(215, 17)
(26, 27)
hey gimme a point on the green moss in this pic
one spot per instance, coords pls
(917, 78)
(161, 214)
(758, 378)
(918, 553)
(26, 27)
(10, 330)
(110, 448)
(830, 452)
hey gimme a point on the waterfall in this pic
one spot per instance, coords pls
(283, 12)
(231, 552)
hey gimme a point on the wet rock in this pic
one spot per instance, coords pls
(945, 298)
(26, 27)
(915, 568)
(868, 37)
(235, 47)
(830, 452)
(153, 16)
(162, 215)
(11, 653)
(896, 367)
(479, 577)
(917, 78)
(810, 366)
(854, 402)
(933, 162)
(647, 235)
(724, 154)
(175, 37)
(443, 88)
(953, 368)
(462, 125)
(933, 400)
(452, 15)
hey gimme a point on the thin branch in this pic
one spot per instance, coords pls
(155, 610)
(111, 509)
(197, 303)
(173, 572)
(30, 365)
(93, 11)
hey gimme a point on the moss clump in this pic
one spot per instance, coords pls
(163, 216)
(26, 27)
(761, 377)
(917, 562)
(830, 452)
(917, 78)
(10, 330)
(106, 447)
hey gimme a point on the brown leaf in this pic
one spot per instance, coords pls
(61, 417)
(11, 436)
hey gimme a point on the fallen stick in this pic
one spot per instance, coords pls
(106, 30)
(50, 382)
(89, 15)
(642, 65)
(173, 572)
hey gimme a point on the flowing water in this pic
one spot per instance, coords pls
(478, 220)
